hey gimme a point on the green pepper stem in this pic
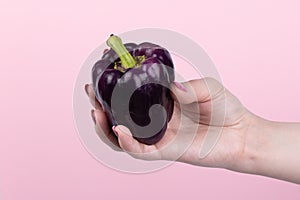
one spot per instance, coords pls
(126, 58)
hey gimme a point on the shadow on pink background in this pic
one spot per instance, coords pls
(255, 46)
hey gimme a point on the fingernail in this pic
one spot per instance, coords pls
(180, 86)
(114, 130)
(86, 89)
(93, 116)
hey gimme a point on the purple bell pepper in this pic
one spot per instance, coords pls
(148, 69)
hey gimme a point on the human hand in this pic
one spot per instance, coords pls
(211, 99)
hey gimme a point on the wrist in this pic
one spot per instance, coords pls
(274, 150)
(270, 149)
(254, 145)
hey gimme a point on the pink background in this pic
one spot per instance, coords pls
(254, 44)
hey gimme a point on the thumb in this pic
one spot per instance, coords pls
(198, 90)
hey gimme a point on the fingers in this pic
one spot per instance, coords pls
(124, 141)
(199, 90)
(101, 126)
(103, 130)
(90, 92)
(133, 147)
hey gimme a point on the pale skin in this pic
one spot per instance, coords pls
(247, 144)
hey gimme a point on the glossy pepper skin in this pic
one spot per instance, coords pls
(142, 66)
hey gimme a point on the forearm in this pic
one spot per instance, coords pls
(273, 149)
